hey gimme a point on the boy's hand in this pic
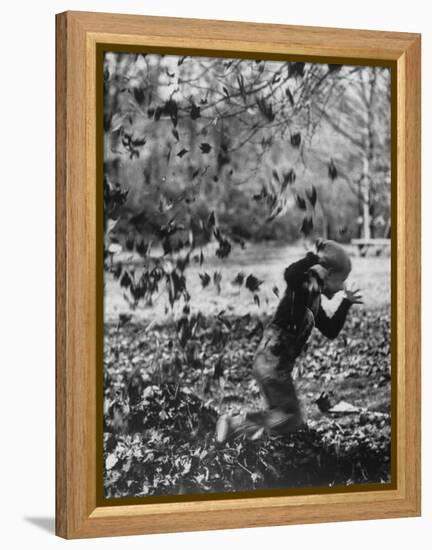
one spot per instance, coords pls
(319, 247)
(319, 244)
(312, 256)
(310, 252)
(353, 295)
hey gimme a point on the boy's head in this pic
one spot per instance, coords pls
(333, 266)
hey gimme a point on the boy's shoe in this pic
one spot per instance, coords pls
(223, 428)
(228, 427)
(257, 435)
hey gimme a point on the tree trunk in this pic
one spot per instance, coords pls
(366, 199)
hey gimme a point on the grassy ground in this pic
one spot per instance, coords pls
(162, 399)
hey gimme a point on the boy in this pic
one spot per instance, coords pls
(323, 272)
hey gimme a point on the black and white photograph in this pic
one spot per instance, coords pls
(247, 275)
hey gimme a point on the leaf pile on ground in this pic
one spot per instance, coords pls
(164, 392)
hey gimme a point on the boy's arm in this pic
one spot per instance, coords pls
(294, 272)
(331, 326)
(297, 294)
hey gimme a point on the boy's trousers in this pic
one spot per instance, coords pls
(272, 369)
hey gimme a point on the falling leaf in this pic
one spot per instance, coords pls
(133, 153)
(307, 226)
(182, 263)
(139, 142)
(217, 279)
(276, 176)
(323, 402)
(332, 170)
(266, 109)
(167, 247)
(224, 248)
(124, 318)
(171, 109)
(118, 271)
(290, 96)
(312, 196)
(158, 113)
(212, 219)
(239, 279)
(205, 279)
(261, 195)
(301, 203)
(289, 177)
(275, 291)
(195, 111)
(142, 247)
(182, 153)
(130, 243)
(205, 148)
(242, 90)
(296, 69)
(296, 139)
(253, 283)
(256, 299)
(125, 281)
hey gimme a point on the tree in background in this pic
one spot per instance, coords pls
(360, 114)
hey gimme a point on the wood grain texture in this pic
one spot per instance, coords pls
(412, 260)
(62, 449)
(78, 34)
(229, 35)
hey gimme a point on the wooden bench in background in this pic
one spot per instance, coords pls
(364, 245)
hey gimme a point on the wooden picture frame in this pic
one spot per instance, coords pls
(78, 292)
